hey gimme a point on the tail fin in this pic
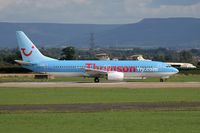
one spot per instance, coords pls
(28, 50)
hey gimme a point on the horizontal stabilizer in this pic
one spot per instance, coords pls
(22, 62)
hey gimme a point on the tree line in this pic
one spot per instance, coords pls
(7, 56)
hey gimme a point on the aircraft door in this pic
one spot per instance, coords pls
(43, 68)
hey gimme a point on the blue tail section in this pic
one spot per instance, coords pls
(28, 50)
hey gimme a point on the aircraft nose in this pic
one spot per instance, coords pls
(175, 70)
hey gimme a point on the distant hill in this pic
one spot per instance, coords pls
(50, 34)
(162, 32)
(170, 32)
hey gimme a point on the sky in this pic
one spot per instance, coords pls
(95, 11)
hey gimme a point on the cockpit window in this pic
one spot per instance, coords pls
(168, 65)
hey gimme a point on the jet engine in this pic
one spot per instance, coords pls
(117, 76)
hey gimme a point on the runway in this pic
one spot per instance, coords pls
(131, 85)
(103, 107)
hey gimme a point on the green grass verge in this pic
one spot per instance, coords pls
(95, 95)
(102, 122)
(56, 79)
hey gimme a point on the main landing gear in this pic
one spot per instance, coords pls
(163, 80)
(96, 79)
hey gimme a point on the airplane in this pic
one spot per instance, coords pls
(114, 70)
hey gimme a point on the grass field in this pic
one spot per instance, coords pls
(175, 78)
(94, 95)
(113, 121)
(102, 122)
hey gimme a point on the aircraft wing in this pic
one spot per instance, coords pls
(94, 72)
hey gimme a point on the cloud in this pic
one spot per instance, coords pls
(175, 2)
(144, 9)
(95, 11)
(5, 4)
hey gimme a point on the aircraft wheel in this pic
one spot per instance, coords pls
(161, 80)
(96, 80)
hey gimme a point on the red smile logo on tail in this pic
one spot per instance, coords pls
(27, 54)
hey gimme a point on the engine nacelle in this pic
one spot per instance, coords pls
(117, 76)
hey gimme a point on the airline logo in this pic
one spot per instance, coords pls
(122, 68)
(25, 53)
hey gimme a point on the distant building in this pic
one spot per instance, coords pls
(103, 56)
(136, 57)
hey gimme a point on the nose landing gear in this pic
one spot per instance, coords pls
(96, 79)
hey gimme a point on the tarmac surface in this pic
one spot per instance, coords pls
(103, 107)
(133, 85)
